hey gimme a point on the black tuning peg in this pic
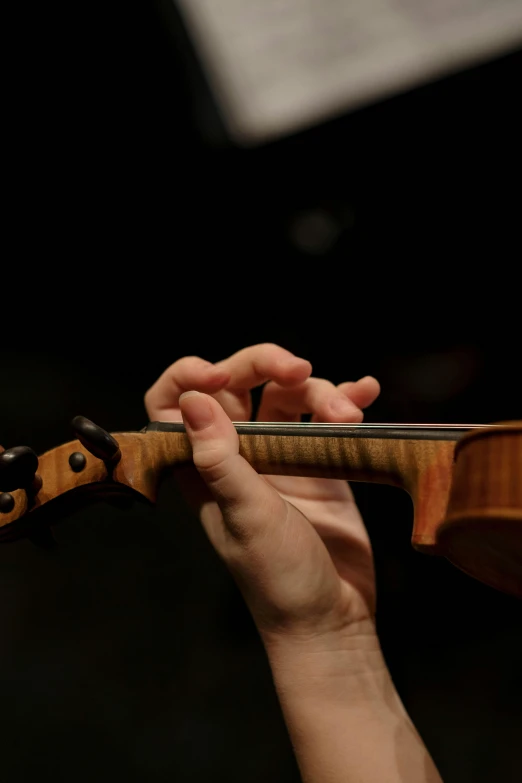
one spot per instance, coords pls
(18, 468)
(96, 440)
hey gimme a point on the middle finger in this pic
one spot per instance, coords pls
(257, 364)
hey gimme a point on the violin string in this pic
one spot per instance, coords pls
(341, 430)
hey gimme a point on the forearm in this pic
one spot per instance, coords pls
(345, 719)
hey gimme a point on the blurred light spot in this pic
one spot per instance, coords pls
(315, 232)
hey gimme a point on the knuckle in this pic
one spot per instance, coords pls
(185, 363)
(267, 346)
(213, 461)
(148, 399)
(270, 351)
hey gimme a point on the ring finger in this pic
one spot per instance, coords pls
(316, 396)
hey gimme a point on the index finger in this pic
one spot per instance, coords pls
(257, 364)
(190, 372)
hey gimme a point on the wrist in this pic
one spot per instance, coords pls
(333, 664)
(345, 718)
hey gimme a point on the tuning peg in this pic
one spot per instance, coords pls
(18, 468)
(96, 440)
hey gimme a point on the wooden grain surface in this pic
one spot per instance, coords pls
(421, 467)
(467, 498)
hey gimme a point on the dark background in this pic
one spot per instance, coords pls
(385, 242)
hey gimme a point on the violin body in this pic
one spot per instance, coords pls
(482, 529)
(464, 480)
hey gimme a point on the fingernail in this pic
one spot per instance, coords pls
(220, 372)
(295, 361)
(196, 410)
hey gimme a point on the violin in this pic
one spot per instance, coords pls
(465, 481)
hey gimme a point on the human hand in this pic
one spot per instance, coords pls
(300, 554)
(297, 547)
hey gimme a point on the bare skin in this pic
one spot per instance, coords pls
(301, 556)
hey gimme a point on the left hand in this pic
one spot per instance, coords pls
(289, 392)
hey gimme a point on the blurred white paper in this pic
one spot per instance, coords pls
(277, 66)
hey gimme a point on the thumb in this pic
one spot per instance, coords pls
(247, 502)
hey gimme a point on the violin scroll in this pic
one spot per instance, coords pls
(96, 466)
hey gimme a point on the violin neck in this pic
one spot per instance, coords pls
(416, 458)
(381, 453)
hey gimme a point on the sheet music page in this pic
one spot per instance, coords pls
(280, 65)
